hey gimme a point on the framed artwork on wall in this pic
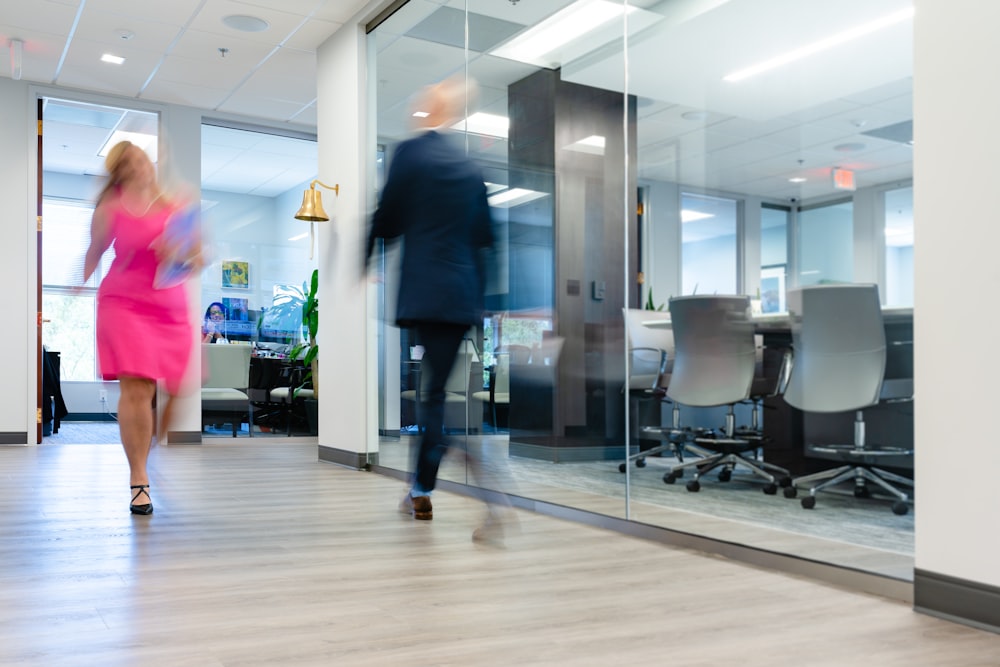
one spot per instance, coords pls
(235, 274)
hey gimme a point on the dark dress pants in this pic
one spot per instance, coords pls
(440, 341)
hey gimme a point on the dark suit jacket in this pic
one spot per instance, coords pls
(435, 198)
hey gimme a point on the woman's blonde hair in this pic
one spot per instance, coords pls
(113, 164)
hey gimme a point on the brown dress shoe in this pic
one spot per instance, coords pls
(422, 509)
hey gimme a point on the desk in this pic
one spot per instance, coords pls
(788, 428)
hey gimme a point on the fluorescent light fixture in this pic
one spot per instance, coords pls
(485, 123)
(114, 60)
(299, 237)
(493, 187)
(420, 114)
(594, 144)
(561, 28)
(146, 142)
(690, 216)
(822, 45)
(514, 197)
(797, 179)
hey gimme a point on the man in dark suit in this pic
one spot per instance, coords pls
(435, 199)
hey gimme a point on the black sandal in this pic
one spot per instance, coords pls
(140, 509)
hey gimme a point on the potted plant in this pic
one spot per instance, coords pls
(308, 350)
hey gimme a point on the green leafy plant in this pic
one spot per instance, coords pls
(309, 349)
(649, 301)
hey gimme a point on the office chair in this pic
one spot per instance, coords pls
(225, 384)
(499, 386)
(651, 351)
(838, 365)
(715, 366)
(292, 388)
(463, 407)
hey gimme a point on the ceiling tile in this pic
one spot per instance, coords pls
(288, 75)
(83, 68)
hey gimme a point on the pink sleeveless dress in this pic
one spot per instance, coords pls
(141, 331)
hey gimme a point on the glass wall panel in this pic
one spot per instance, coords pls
(656, 101)
(253, 291)
(708, 244)
(899, 247)
(773, 258)
(826, 244)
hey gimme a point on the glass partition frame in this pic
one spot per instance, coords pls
(670, 142)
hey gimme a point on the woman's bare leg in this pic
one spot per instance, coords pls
(166, 419)
(135, 423)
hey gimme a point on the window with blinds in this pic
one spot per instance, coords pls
(68, 306)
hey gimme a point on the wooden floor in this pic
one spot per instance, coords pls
(260, 555)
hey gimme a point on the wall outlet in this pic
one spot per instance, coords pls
(104, 395)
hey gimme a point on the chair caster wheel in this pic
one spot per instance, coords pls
(809, 502)
(622, 467)
(669, 478)
(900, 508)
(862, 492)
(771, 489)
(725, 475)
(790, 492)
(694, 486)
(640, 463)
(785, 482)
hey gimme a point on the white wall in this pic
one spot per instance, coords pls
(17, 257)
(957, 278)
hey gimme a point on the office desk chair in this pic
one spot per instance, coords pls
(715, 366)
(651, 354)
(838, 365)
(499, 386)
(293, 388)
(225, 384)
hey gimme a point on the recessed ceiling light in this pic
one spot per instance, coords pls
(688, 215)
(114, 60)
(594, 144)
(849, 147)
(485, 123)
(420, 114)
(797, 179)
(822, 45)
(566, 25)
(514, 197)
(245, 23)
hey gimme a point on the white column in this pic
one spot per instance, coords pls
(347, 403)
(18, 183)
(957, 288)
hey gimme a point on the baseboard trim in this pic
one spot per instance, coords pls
(183, 437)
(836, 575)
(13, 437)
(89, 417)
(343, 457)
(959, 600)
(565, 454)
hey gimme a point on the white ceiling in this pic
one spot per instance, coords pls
(793, 122)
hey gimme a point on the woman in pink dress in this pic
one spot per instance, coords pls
(144, 334)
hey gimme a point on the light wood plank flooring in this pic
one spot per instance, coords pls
(260, 555)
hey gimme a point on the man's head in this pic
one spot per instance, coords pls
(444, 102)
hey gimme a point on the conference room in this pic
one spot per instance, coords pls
(623, 189)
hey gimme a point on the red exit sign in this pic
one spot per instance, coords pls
(843, 179)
